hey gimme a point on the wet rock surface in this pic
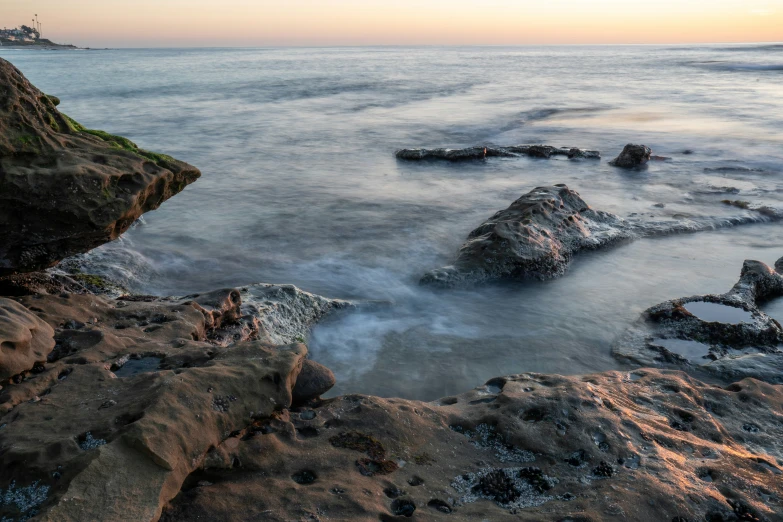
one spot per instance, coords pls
(725, 336)
(633, 156)
(65, 189)
(643, 441)
(484, 152)
(539, 234)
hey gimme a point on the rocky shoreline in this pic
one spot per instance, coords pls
(116, 406)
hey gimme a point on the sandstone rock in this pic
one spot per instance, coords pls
(314, 380)
(538, 235)
(65, 189)
(725, 336)
(632, 156)
(483, 152)
(24, 339)
(129, 401)
(648, 446)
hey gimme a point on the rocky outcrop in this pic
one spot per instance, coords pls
(538, 235)
(725, 336)
(65, 189)
(117, 401)
(24, 339)
(647, 446)
(483, 152)
(632, 156)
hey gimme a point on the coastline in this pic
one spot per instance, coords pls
(187, 401)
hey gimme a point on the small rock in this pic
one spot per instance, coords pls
(314, 380)
(632, 156)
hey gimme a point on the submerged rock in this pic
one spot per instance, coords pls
(65, 189)
(726, 336)
(632, 156)
(538, 235)
(642, 452)
(483, 152)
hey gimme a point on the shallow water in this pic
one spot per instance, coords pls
(300, 186)
(693, 351)
(718, 313)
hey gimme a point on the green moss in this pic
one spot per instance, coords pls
(92, 280)
(73, 124)
(120, 143)
(53, 123)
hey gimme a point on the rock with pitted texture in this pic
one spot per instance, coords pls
(65, 189)
(123, 398)
(632, 156)
(725, 336)
(533, 238)
(24, 339)
(646, 445)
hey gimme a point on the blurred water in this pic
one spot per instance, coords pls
(300, 186)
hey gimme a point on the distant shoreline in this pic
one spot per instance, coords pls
(45, 45)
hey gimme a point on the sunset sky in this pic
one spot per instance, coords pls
(154, 23)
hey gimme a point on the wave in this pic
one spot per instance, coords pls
(738, 66)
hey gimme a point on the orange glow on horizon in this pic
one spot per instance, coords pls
(152, 23)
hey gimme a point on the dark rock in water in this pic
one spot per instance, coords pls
(724, 335)
(632, 156)
(534, 238)
(65, 189)
(483, 152)
(314, 380)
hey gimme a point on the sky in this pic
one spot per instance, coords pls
(207, 23)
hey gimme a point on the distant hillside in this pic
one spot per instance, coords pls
(42, 43)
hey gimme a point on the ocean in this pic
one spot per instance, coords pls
(300, 185)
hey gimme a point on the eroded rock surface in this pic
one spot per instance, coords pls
(24, 339)
(726, 335)
(483, 152)
(538, 235)
(648, 446)
(107, 420)
(65, 189)
(632, 156)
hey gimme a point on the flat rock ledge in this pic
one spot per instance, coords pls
(648, 445)
(723, 336)
(483, 152)
(65, 189)
(540, 233)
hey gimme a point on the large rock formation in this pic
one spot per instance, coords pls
(65, 189)
(538, 235)
(725, 336)
(644, 446)
(483, 152)
(116, 401)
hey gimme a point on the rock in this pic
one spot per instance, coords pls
(314, 380)
(24, 339)
(483, 152)
(534, 238)
(279, 314)
(632, 156)
(725, 336)
(652, 445)
(142, 429)
(65, 189)
(538, 235)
